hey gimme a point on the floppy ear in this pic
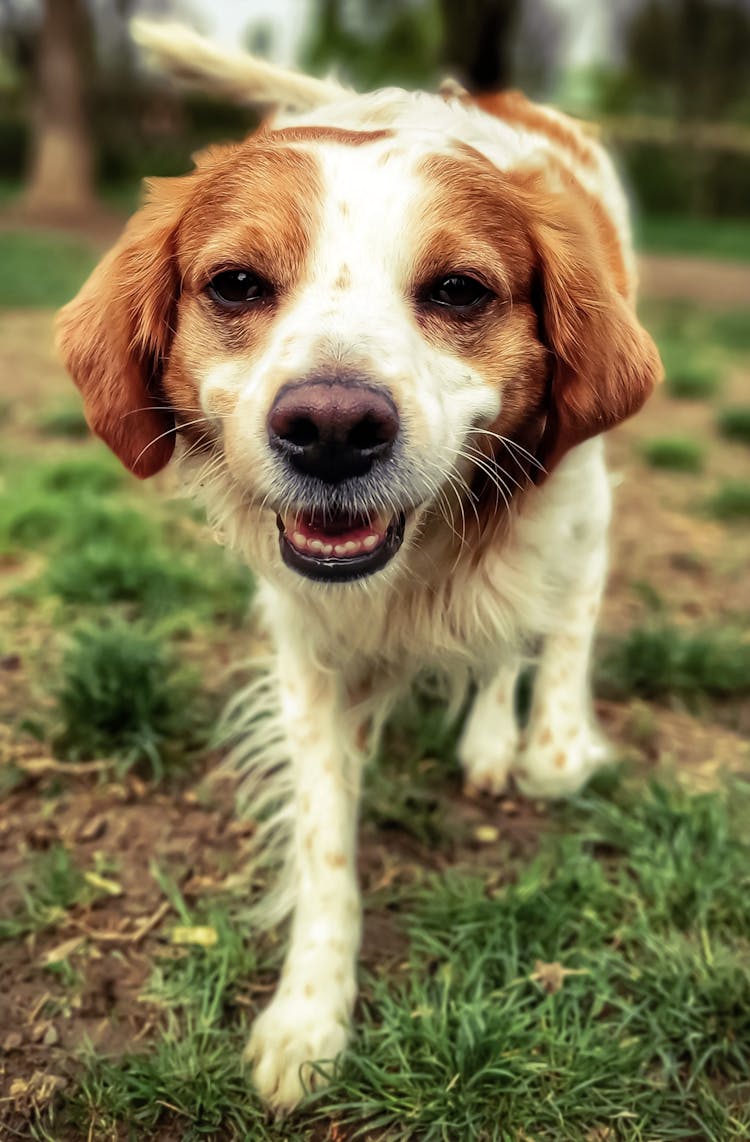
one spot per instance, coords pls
(605, 364)
(114, 338)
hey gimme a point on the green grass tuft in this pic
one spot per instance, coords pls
(50, 885)
(121, 694)
(109, 572)
(731, 502)
(734, 423)
(93, 475)
(660, 661)
(66, 420)
(674, 453)
(694, 382)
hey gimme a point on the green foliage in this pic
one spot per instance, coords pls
(121, 693)
(93, 474)
(103, 552)
(109, 572)
(400, 45)
(731, 502)
(703, 237)
(49, 886)
(675, 453)
(691, 382)
(42, 270)
(64, 419)
(734, 423)
(659, 661)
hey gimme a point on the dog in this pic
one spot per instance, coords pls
(383, 337)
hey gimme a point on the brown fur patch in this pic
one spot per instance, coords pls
(513, 107)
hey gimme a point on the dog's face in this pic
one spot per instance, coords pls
(357, 328)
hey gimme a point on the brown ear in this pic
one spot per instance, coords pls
(114, 338)
(605, 364)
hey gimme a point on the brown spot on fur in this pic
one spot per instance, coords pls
(560, 760)
(513, 107)
(363, 730)
(344, 279)
(335, 860)
(546, 736)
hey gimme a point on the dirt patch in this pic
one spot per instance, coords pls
(708, 282)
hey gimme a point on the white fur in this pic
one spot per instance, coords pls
(343, 653)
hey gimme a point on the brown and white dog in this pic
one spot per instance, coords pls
(383, 337)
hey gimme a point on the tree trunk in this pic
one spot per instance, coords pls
(60, 182)
(478, 41)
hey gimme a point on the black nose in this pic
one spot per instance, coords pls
(333, 430)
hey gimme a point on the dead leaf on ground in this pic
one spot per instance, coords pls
(551, 977)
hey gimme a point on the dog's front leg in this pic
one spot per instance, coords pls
(308, 1019)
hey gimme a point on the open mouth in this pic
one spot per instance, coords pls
(341, 547)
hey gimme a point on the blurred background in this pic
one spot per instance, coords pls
(669, 80)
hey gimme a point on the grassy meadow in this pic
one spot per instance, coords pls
(569, 973)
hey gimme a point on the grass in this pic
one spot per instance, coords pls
(121, 693)
(673, 453)
(49, 887)
(102, 552)
(691, 382)
(731, 503)
(659, 661)
(66, 419)
(734, 423)
(42, 270)
(702, 237)
(603, 987)
(697, 346)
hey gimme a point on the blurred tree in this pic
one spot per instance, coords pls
(691, 57)
(60, 179)
(478, 41)
(371, 43)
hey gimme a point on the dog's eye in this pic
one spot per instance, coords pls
(457, 291)
(237, 288)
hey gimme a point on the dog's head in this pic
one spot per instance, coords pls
(359, 325)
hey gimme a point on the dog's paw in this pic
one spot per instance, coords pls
(486, 757)
(294, 1032)
(552, 766)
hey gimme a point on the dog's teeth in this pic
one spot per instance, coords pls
(299, 540)
(341, 548)
(316, 545)
(326, 548)
(370, 542)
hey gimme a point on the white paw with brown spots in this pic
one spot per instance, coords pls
(558, 765)
(295, 1031)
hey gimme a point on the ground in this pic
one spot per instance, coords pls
(529, 972)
